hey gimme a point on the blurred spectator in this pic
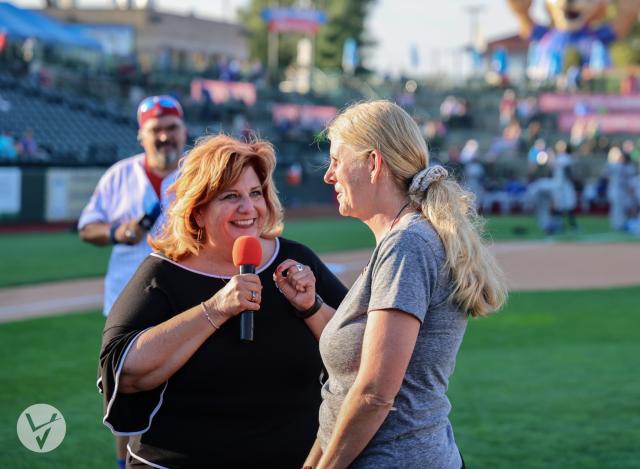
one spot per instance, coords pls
(240, 127)
(453, 153)
(586, 136)
(634, 223)
(435, 134)
(531, 134)
(448, 107)
(234, 70)
(532, 156)
(8, 150)
(294, 174)
(573, 79)
(565, 198)
(28, 144)
(508, 144)
(508, 105)
(539, 197)
(627, 148)
(578, 132)
(498, 68)
(527, 109)
(455, 112)
(473, 173)
(619, 173)
(601, 145)
(256, 71)
(463, 119)
(594, 194)
(469, 151)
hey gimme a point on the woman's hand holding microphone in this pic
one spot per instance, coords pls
(243, 292)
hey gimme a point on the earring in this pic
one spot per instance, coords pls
(199, 236)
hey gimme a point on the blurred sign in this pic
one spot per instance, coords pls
(223, 91)
(304, 114)
(555, 102)
(67, 191)
(293, 19)
(618, 123)
(10, 186)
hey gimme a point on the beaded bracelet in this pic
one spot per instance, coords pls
(206, 315)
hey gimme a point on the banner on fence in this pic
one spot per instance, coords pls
(617, 123)
(67, 191)
(10, 186)
(223, 91)
(557, 102)
(303, 114)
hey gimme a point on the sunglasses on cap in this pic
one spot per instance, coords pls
(158, 106)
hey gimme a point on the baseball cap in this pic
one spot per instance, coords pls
(158, 106)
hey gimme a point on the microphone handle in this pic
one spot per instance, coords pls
(246, 317)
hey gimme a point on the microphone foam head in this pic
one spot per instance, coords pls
(247, 250)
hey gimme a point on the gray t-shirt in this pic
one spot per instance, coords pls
(406, 272)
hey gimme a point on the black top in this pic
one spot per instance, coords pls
(232, 404)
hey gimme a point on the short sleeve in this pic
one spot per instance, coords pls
(96, 211)
(403, 275)
(141, 306)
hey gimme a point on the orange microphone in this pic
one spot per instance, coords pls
(247, 254)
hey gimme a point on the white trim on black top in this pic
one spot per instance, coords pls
(149, 463)
(115, 393)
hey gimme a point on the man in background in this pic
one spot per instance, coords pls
(127, 201)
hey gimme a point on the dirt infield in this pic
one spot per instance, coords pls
(541, 265)
(528, 266)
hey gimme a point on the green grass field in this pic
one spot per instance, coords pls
(34, 258)
(548, 382)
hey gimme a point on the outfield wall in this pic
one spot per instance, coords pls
(57, 194)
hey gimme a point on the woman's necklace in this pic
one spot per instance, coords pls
(390, 228)
(397, 216)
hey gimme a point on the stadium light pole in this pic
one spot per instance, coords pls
(474, 12)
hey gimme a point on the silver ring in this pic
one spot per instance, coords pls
(129, 234)
(299, 267)
(253, 296)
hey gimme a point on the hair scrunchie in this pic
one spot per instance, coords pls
(422, 180)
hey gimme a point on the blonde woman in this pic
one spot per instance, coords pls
(391, 345)
(175, 375)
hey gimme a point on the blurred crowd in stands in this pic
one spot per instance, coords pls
(505, 149)
(20, 148)
(527, 165)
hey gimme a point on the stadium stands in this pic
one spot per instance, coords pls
(70, 128)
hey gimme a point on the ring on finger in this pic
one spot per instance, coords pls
(299, 267)
(253, 296)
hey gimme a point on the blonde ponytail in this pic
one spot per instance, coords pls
(479, 284)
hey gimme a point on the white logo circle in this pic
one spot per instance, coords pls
(41, 428)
